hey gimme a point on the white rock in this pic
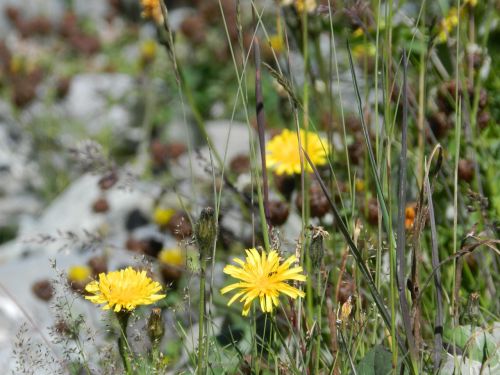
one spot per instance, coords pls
(72, 211)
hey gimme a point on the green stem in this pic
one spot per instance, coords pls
(201, 320)
(123, 347)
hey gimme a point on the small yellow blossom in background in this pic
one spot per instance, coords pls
(447, 24)
(471, 3)
(148, 50)
(360, 185)
(276, 42)
(172, 257)
(283, 153)
(358, 32)
(361, 50)
(346, 309)
(152, 9)
(123, 290)
(263, 276)
(79, 273)
(162, 216)
(305, 5)
(410, 213)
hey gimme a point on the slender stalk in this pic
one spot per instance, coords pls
(123, 348)
(201, 315)
(401, 235)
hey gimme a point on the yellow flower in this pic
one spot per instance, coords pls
(173, 257)
(276, 42)
(305, 5)
(346, 310)
(283, 154)
(447, 24)
(358, 32)
(123, 290)
(79, 273)
(264, 277)
(152, 9)
(148, 50)
(162, 216)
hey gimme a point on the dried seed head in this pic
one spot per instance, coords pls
(101, 205)
(43, 289)
(180, 226)
(465, 170)
(240, 164)
(98, 264)
(279, 212)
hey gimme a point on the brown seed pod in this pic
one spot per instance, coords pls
(439, 124)
(372, 211)
(180, 226)
(170, 274)
(133, 244)
(278, 211)
(100, 206)
(347, 289)
(108, 180)
(194, 28)
(356, 152)
(85, 44)
(240, 164)
(465, 170)
(43, 289)
(318, 203)
(62, 87)
(98, 264)
(159, 153)
(24, 92)
(284, 184)
(483, 119)
(175, 149)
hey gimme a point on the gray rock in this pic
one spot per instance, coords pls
(52, 9)
(72, 212)
(18, 173)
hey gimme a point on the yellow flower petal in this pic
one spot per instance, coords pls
(123, 290)
(284, 153)
(263, 276)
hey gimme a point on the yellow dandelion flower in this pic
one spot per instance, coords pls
(162, 216)
(152, 9)
(79, 273)
(263, 276)
(283, 154)
(172, 257)
(305, 5)
(123, 290)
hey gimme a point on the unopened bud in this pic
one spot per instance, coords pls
(206, 231)
(156, 330)
(317, 249)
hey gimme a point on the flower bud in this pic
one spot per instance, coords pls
(206, 231)
(156, 330)
(317, 249)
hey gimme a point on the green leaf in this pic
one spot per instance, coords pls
(378, 361)
(477, 344)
